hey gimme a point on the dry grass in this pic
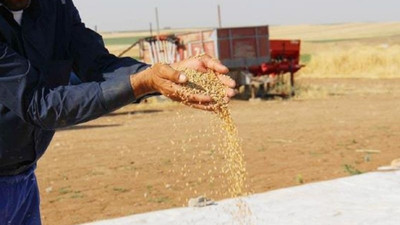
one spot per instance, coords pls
(355, 50)
(117, 49)
(335, 31)
(359, 61)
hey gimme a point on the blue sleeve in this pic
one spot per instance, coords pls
(23, 92)
(92, 61)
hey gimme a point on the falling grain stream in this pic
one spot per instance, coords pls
(234, 168)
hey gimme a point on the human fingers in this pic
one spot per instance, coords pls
(230, 92)
(214, 64)
(227, 81)
(176, 92)
(201, 106)
(168, 73)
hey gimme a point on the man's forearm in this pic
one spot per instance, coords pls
(24, 92)
(141, 83)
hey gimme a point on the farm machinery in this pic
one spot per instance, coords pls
(257, 64)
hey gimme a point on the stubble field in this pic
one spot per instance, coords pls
(157, 155)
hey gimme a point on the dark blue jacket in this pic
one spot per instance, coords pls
(36, 60)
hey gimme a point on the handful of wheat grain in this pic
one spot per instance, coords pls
(209, 84)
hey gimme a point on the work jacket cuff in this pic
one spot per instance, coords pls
(117, 92)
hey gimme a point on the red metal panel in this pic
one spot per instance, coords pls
(263, 46)
(263, 30)
(195, 36)
(243, 42)
(244, 48)
(198, 42)
(243, 32)
(288, 49)
(207, 47)
(224, 49)
(195, 48)
(223, 33)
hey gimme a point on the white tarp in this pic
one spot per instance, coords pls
(368, 199)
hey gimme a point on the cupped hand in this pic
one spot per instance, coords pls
(203, 64)
(166, 79)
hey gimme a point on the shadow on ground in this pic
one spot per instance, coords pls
(149, 111)
(84, 127)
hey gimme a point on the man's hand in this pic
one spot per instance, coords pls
(204, 63)
(166, 79)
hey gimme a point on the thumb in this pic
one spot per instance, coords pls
(182, 78)
(169, 73)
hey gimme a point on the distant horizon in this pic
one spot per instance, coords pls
(135, 15)
(250, 25)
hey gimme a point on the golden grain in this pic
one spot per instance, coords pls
(209, 84)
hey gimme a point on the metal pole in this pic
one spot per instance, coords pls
(158, 23)
(151, 29)
(219, 17)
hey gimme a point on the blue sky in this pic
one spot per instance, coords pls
(117, 15)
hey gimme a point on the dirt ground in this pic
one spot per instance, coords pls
(155, 156)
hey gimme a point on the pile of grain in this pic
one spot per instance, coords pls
(209, 84)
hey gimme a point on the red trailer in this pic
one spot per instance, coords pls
(237, 48)
(247, 51)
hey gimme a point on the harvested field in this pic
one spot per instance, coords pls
(155, 156)
(124, 163)
(355, 60)
(336, 32)
(362, 50)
